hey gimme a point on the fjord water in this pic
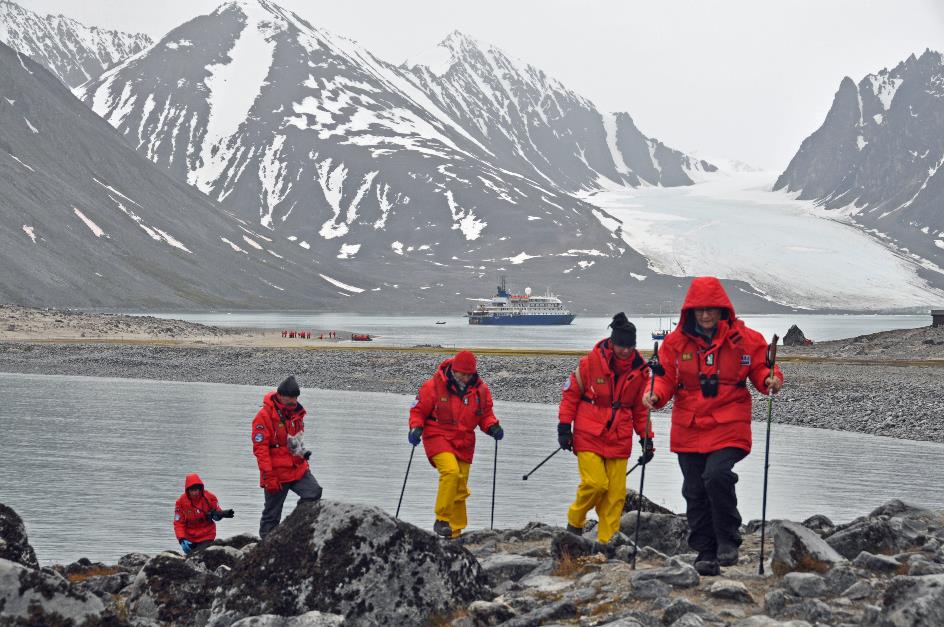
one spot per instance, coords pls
(94, 465)
(580, 335)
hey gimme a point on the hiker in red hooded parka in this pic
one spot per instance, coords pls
(708, 359)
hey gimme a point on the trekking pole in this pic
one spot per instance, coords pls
(632, 469)
(642, 474)
(771, 361)
(403, 489)
(525, 477)
(494, 473)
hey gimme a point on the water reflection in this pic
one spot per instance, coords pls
(94, 465)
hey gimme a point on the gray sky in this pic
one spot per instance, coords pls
(743, 79)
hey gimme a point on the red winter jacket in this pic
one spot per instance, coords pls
(735, 354)
(270, 440)
(190, 516)
(448, 419)
(600, 427)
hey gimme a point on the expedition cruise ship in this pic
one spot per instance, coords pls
(505, 308)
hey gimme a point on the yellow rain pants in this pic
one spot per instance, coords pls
(602, 486)
(453, 491)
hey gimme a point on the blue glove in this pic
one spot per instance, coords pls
(496, 432)
(186, 546)
(414, 435)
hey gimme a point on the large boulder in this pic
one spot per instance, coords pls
(914, 601)
(794, 337)
(666, 533)
(355, 561)
(632, 504)
(877, 535)
(797, 548)
(172, 590)
(14, 545)
(29, 596)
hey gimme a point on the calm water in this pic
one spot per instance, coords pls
(412, 330)
(94, 465)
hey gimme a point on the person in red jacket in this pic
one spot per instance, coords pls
(195, 514)
(708, 359)
(444, 415)
(278, 432)
(602, 399)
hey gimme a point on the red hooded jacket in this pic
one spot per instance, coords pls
(600, 427)
(448, 418)
(190, 516)
(735, 353)
(270, 433)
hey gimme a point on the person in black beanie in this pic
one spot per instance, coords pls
(602, 402)
(278, 433)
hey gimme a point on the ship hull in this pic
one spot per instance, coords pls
(523, 320)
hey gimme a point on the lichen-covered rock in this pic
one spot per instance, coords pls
(796, 548)
(732, 590)
(914, 601)
(666, 533)
(681, 607)
(507, 566)
(355, 561)
(804, 584)
(820, 524)
(490, 612)
(876, 535)
(308, 619)
(568, 545)
(239, 542)
(543, 614)
(171, 589)
(133, 562)
(632, 504)
(879, 563)
(14, 545)
(215, 556)
(30, 596)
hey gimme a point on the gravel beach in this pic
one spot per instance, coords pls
(902, 401)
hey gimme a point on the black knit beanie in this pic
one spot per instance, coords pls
(624, 331)
(289, 387)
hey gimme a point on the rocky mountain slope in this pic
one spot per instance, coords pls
(89, 222)
(72, 51)
(878, 154)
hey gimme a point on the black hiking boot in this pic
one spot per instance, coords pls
(441, 528)
(706, 564)
(727, 554)
(577, 531)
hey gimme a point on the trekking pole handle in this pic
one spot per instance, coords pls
(772, 353)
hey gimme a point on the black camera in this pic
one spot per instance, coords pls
(709, 385)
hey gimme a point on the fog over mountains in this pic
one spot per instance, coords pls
(878, 155)
(72, 51)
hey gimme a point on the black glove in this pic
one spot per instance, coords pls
(648, 451)
(657, 369)
(496, 432)
(227, 513)
(213, 515)
(307, 455)
(564, 437)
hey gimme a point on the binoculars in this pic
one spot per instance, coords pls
(709, 384)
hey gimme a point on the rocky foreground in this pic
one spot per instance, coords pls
(332, 563)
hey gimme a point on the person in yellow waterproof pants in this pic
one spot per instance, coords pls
(602, 401)
(447, 409)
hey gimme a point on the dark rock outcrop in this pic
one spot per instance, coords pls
(171, 589)
(352, 560)
(14, 545)
(794, 337)
(665, 533)
(915, 601)
(632, 504)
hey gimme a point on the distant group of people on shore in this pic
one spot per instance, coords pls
(306, 335)
(704, 364)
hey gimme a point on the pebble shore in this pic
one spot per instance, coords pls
(902, 401)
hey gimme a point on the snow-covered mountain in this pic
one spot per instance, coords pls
(310, 135)
(72, 51)
(877, 157)
(534, 125)
(86, 221)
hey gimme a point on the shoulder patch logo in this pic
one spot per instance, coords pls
(259, 427)
(601, 380)
(566, 385)
(443, 399)
(745, 360)
(258, 438)
(686, 356)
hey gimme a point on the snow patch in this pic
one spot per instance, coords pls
(234, 246)
(610, 127)
(30, 125)
(638, 277)
(520, 258)
(348, 251)
(29, 232)
(465, 221)
(860, 142)
(531, 218)
(23, 65)
(94, 228)
(343, 286)
(183, 43)
(15, 158)
(252, 243)
(397, 247)
(305, 245)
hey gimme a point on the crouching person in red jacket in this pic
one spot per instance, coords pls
(602, 399)
(445, 414)
(708, 359)
(195, 515)
(278, 432)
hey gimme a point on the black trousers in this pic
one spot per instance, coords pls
(708, 488)
(306, 488)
